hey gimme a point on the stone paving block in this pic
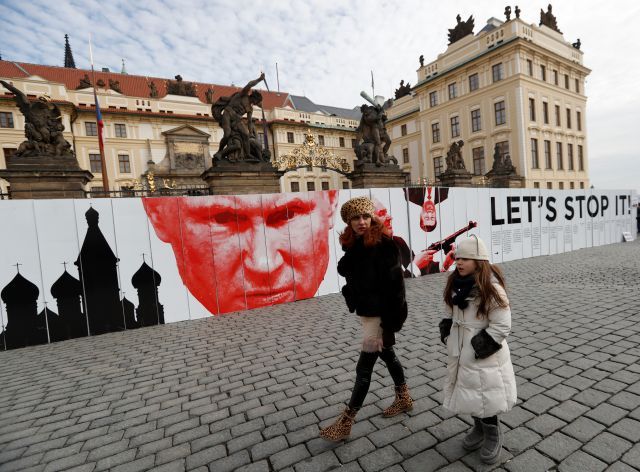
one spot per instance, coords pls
(260, 466)
(607, 447)
(288, 457)
(388, 435)
(530, 461)
(352, 450)
(520, 439)
(415, 443)
(154, 446)
(269, 447)
(426, 461)
(23, 462)
(558, 446)
(320, 463)
(139, 465)
(173, 454)
(580, 462)
(447, 428)
(380, 459)
(606, 414)
(66, 462)
(632, 457)
(205, 456)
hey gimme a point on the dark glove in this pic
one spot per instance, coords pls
(349, 298)
(484, 345)
(445, 329)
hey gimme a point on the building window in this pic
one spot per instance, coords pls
(532, 109)
(435, 132)
(405, 155)
(433, 99)
(547, 154)
(437, 166)
(534, 154)
(121, 130)
(341, 140)
(497, 72)
(549, 185)
(501, 116)
(580, 158)
(325, 185)
(453, 91)
(577, 85)
(543, 73)
(311, 186)
(345, 185)
(555, 77)
(455, 126)
(290, 137)
(503, 148)
(559, 158)
(478, 160)
(353, 143)
(295, 186)
(570, 156)
(569, 118)
(474, 83)
(558, 123)
(581, 184)
(545, 112)
(125, 165)
(6, 119)
(536, 185)
(403, 130)
(476, 122)
(95, 165)
(566, 81)
(91, 128)
(579, 120)
(561, 185)
(571, 185)
(321, 140)
(530, 67)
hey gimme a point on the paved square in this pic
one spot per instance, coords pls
(248, 391)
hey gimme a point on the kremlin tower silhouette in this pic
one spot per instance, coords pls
(88, 306)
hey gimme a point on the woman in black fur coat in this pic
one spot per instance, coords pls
(375, 291)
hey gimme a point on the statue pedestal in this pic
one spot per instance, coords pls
(458, 178)
(241, 178)
(505, 180)
(369, 175)
(45, 177)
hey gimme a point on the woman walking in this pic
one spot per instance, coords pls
(375, 291)
(480, 380)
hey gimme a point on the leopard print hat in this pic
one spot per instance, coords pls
(355, 207)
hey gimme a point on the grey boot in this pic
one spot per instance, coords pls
(492, 445)
(473, 440)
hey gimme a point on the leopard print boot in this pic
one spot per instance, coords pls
(341, 428)
(402, 403)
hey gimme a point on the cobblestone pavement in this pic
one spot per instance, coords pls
(248, 391)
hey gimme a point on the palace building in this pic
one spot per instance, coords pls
(513, 87)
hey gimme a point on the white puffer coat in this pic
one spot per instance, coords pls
(479, 387)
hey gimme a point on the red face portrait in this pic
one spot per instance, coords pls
(247, 251)
(383, 214)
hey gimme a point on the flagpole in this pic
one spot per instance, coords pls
(99, 125)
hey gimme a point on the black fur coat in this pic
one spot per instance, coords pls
(375, 282)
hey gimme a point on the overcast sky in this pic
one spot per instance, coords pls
(326, 49)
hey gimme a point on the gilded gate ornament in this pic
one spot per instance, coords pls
(311, 154)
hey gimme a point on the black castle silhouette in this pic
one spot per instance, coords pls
(89, 306)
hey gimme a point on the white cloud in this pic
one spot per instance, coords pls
(325, 49)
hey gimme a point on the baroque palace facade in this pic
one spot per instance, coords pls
(165, 126)
(513, 85)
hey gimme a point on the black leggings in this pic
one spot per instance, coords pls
(364, 369)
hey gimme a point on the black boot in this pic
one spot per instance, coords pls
(473, 440)
(492, 445)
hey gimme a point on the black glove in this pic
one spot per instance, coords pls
(484, 345)
(445, 329)
(348, 297)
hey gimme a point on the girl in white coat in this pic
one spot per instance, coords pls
(480, 380)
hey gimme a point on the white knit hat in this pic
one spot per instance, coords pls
(472, 248)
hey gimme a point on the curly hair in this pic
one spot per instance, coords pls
(487, 292)
(371, 237)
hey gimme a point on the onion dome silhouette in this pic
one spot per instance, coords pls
(145, 275)
(66, 286)
(146, 280)
(95, 246)
(19, 289)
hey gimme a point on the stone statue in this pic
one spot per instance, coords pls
(502, 165)
(100, 83)
(240, 141)
(517, 11)
(43, 127)
(153, 90)
(85, 82)
(209, 96)
(403, 90)
(548, 19)
(577, 44)
(180, 87)
(421, 59)
(115, 85)
(507, 12)
(462, 29)
(371, 134)
(454, 159)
